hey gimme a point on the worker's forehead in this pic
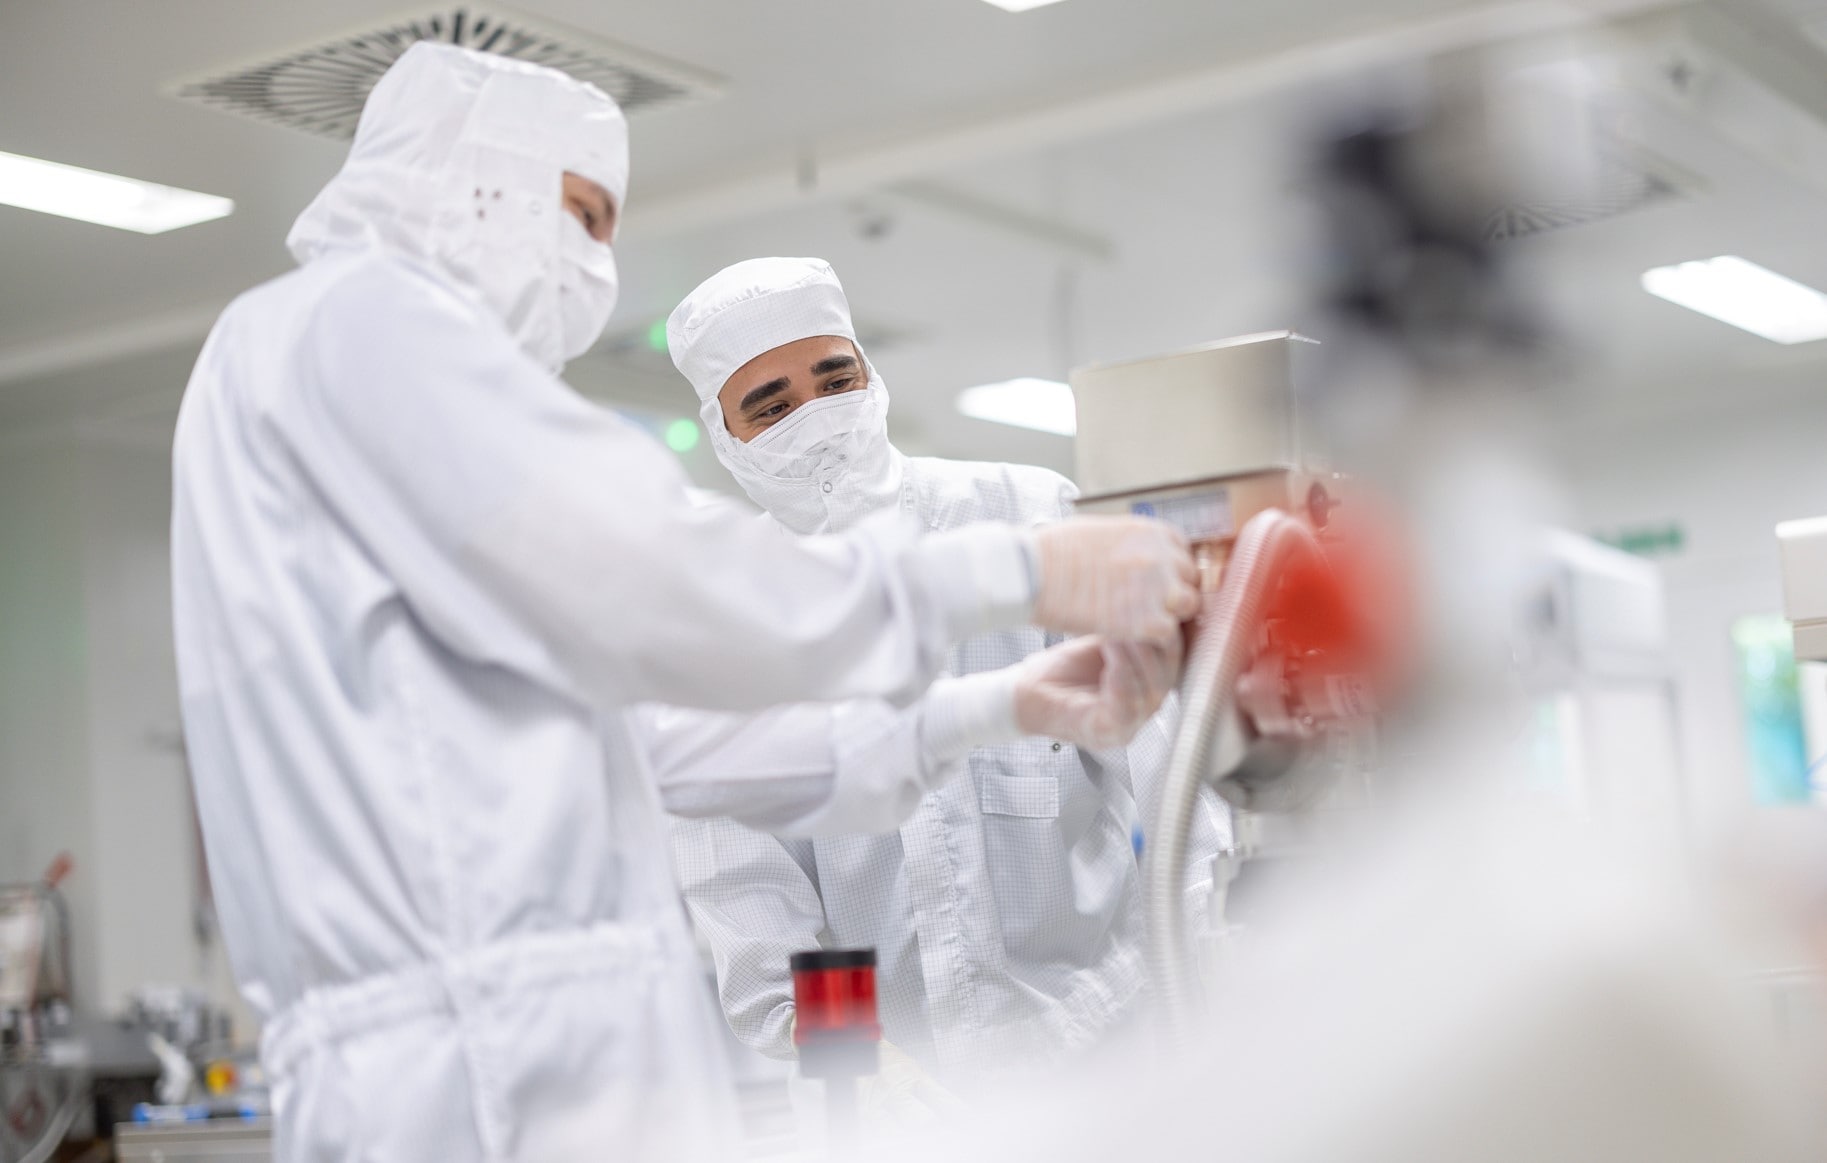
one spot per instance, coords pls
(793, 358)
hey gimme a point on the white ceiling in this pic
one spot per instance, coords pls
(1176, 223)
(82, 82)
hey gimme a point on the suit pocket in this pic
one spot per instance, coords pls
(1033, 796)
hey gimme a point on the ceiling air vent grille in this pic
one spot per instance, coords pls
(320, 88)
(1623, 183)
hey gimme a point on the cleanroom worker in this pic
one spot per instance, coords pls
(1005, 912)
(417, 578)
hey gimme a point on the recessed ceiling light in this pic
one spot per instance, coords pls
(1733, 290)
(104, 199)
(1043, 405)
(1020, 5)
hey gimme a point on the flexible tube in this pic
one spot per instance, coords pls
(1224, 638)
(61, 1121)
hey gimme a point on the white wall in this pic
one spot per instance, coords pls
(145, 840)
(88, 707)
(1727, 473)
(45, 797)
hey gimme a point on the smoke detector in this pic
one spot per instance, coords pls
(320, 88)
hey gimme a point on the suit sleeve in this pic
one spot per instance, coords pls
(532, 529)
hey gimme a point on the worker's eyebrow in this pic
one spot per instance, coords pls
(763, 394)
(833, 363)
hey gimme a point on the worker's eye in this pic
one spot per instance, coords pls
(774, 411)
(840, 384)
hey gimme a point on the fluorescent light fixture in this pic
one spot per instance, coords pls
(1043, 405)
(1747, 296)
(104, 199)
(1020, 5)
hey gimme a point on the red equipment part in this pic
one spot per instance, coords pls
(835, 1025)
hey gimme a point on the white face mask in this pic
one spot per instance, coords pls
(824, 467)
(815, 427)
(531, 261)
(587, 287)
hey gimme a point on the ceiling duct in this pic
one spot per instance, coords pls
(320, 88)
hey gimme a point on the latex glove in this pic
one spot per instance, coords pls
(1127, 577)
(1092, 692)
(901, 1094)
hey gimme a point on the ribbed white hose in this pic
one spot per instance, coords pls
(61, 1121)
(1223, 641)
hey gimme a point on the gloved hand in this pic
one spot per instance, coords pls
(1093, 692)
(902, 1095)
(1126, 577)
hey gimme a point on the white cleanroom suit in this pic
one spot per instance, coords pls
(416, 578)
(1004, 912)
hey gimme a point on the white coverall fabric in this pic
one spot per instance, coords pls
(1005, 913)
(458, 162)
(416, 579)
(749, 308)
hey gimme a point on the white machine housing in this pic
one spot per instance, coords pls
(1203, 438)
(1803, 545)
(1210, 440)
(1597, 613)
(1594, 653)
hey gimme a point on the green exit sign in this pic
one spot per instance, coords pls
(1647, 540)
